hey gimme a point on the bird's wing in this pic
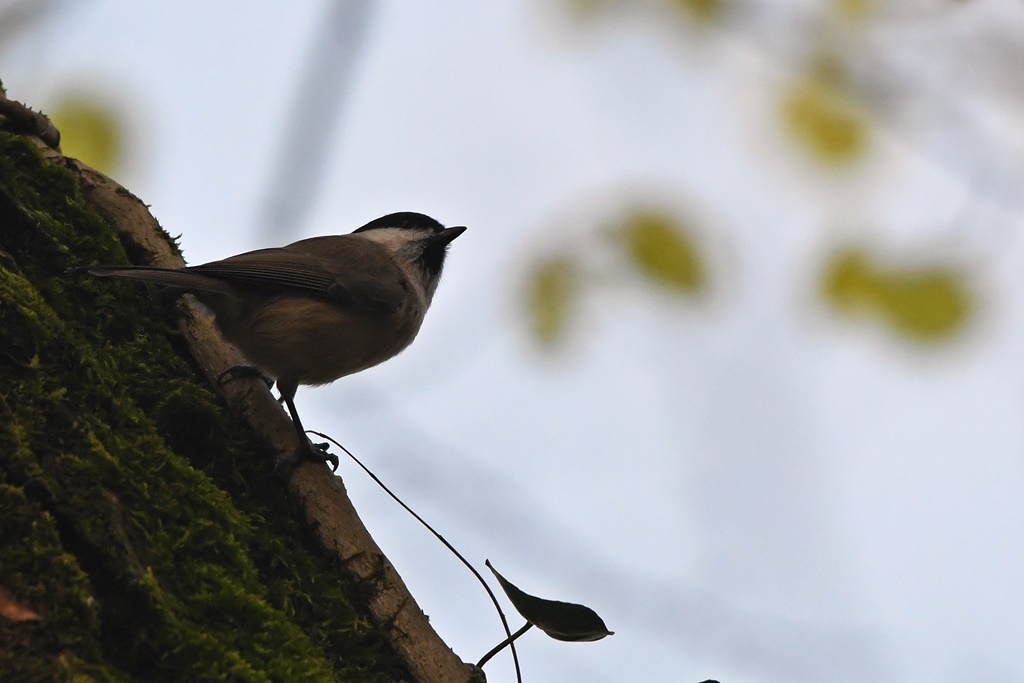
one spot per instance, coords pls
(355, 272)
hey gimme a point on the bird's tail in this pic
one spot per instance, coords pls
(175, 278)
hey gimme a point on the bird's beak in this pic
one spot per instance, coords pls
(448, 234)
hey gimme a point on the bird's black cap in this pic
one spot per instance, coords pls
(407, 220)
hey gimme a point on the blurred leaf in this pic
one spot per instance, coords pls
(849, 280)
(89, 131)
(664, 251)
(588, 7)
(561, 620)
(821, 114)
(927, 304)
(553, 291)
(699, 11)
(854, 11)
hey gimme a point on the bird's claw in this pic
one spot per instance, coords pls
(319, 452)
(310, 452)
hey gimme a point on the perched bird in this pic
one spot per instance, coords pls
(320, 308)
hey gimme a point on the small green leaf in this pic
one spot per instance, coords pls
(561, 620)
(664, 251)
(553, 291)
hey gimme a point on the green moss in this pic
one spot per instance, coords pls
(137, 516)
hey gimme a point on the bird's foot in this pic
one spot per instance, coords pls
(318, 452)
(307, 452)
(244, 372)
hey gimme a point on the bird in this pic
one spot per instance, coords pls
(319, 309)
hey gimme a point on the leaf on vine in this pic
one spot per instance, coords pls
(561, 620)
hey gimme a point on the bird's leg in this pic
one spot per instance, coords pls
(306, 450)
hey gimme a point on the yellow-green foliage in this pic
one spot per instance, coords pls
(90, 130)
(855, 11)
(662, 249)
(926, 303)
(137, 518)
(821, 113)
(552, 298)
(699, 11)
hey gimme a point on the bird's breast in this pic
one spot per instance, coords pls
(316, 341)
